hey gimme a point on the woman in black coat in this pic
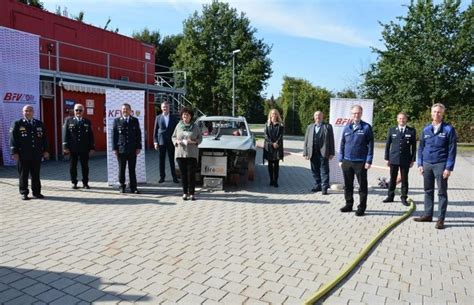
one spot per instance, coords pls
(273, 146)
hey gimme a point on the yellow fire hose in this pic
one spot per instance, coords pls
(329, 286)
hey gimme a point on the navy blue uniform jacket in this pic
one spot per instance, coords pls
(28, 140)
(127, 137)
(438, 147)
(400, 149)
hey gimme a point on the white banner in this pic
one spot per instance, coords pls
(19, 81)
(339, 117)
(114, 98)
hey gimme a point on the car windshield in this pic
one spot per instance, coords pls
(223, 128)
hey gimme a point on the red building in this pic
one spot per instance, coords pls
(79, 61)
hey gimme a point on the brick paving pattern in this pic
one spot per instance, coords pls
(251, 244)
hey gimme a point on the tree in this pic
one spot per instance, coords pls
(205, 53)
(35, 3)
(164, 49)
(428, 58)
(300, 100)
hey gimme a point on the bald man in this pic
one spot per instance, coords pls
(28, 146)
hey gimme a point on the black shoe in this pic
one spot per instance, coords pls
(272, 183)
(275, 184)
(161, 180)
(193, 198)
(185, 197)
(135, 191)
(346, 209)
(316, 189)
(86, 186)
(388, 199)
(122, 190)
(404, 202)
(175, 180)
(74, 186)
(325, 192)
(360, 212)
(39, 196)
(25, 197)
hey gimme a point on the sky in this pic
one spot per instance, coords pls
(326, 42)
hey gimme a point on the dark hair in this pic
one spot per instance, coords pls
(186, 110)
(127, 105)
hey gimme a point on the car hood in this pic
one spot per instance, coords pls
(227, 142)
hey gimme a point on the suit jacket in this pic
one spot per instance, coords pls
(162, 134)
(401, 149)
(28, 140)
(273, 134)
(78, 137)
(127, 137)
(327, 149)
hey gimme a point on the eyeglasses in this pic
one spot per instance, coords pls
(78, 110)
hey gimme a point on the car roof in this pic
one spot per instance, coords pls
(221, 118)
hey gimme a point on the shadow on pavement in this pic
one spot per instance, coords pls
(62, 287)
(132, 200)
(256, 199)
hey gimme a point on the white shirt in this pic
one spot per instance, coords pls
(167, 119)
(401, 128)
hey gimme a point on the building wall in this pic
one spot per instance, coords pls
(87, 50)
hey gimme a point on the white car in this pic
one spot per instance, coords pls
(228, 147)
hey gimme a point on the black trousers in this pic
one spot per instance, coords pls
(131, 159)
(25, 168)
(274, 170)
(167, 149)
(83, 157)
(404, 169)
(188, 166)
(349, 170)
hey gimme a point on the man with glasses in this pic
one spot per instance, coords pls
(356, 154)
(28, 146)
(127, 144)
(78, 142)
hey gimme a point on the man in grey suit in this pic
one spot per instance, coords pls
(319, 149)
(165, 124)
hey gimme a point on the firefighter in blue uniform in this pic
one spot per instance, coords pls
(127, 144)
(78, 142)
(400, 154)
(28, 146)
(436, 158)
(356, 155)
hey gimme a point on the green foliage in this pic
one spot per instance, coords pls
(205, 53)
(34, 3)
(164, 48)
(306, 99)
(428, 58)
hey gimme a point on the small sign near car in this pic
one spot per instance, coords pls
(214, 166)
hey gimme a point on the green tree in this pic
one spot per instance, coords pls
(427, 58)
(35, 3)
(205, 53)
(164, 48)
(300, 99)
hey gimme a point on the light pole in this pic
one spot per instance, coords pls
(233, 80)
(293, 110)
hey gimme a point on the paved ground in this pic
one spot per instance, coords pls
(253, 244)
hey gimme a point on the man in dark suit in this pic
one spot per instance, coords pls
(78, 141)
(319, 148)
(28, 146)
(127, 144)
(165, 124)
(400, 154)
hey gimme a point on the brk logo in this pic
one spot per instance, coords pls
(14, 97)
(342, 121)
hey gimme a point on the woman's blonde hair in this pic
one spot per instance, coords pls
(269, 119)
